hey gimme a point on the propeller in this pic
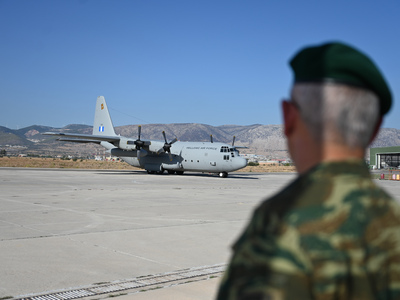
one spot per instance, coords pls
(233, 142)
(139, 143)
(167, 146)
(211, 138)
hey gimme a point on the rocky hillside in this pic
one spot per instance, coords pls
(265, 140)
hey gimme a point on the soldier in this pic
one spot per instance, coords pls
(331, 233)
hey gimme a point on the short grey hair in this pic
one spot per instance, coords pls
(337, 112)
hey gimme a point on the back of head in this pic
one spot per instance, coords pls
(340, 92)
(337, 113)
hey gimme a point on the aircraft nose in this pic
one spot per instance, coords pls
(243, 162)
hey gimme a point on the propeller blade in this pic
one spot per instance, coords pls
(167, 146)
(139, 144)
(165, 138)
(233, 142)
(211, 138)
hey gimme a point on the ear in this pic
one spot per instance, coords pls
(289, 117)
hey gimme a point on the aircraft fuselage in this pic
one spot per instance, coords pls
(158, 156)
(187, 156)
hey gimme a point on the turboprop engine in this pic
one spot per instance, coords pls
(127, 144)
(156, 146)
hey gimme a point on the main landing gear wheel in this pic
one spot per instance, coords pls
(223, 174)
(155, 172)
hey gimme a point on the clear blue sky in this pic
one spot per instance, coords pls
(212, 62)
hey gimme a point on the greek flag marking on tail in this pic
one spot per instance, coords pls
(102, 124)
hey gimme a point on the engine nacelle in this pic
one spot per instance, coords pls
(127, 144)
(172, 167)
(156, 146)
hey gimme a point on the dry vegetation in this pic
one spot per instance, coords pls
(33, 162)
(267, 168)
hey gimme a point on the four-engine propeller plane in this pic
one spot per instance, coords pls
(175, 156)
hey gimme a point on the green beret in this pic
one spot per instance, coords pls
(340, 63)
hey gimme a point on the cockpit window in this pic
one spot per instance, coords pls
(224, 149)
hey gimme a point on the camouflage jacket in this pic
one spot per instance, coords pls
(330, 234)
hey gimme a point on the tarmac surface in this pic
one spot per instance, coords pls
(67, 234)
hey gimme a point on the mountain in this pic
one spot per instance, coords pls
(387, 137)
(12, 137)
(267, 140)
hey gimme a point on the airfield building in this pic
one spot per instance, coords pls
(385, 157)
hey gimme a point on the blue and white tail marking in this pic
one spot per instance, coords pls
(102, 120)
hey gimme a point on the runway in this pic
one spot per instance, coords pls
(71, 229)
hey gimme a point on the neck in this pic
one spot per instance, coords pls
(328, 152)
(304, 151)
(338, 152)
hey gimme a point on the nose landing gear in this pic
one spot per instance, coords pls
(223, 174)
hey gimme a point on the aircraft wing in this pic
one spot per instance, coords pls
(79, 140)
(83, 138)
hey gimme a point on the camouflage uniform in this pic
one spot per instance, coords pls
(331, 234)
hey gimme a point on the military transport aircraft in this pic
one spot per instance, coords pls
(175, 156)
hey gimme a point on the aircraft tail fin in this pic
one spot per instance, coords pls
(102, 121)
